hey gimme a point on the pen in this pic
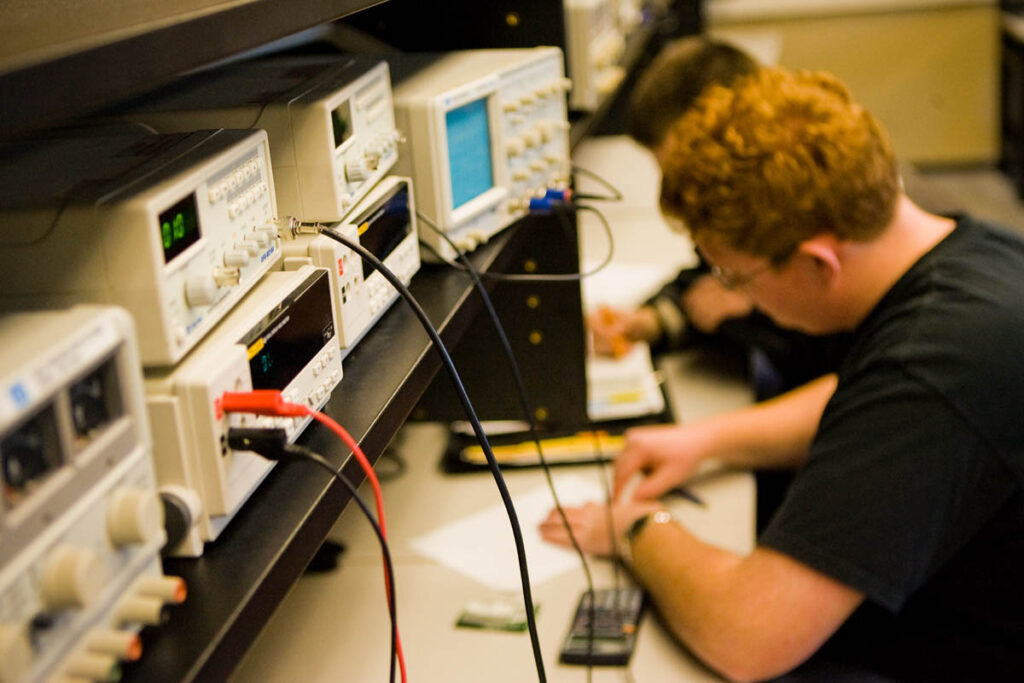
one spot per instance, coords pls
(684, 492)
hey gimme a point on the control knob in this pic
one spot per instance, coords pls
(236, 258)
(514, 147)
(226, 276)
(200, 290)
(72, 578)
(93, 666)
(134, 516)
(356, 170)
(258, 237)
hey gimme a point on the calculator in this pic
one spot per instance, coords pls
(611, 640)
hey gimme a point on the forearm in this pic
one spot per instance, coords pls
(774, 434)
(750, 617)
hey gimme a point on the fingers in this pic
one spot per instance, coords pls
(625, 468)
(606, 326)
(629, 462)
(656, 485)
(588, 524)
(573, 515)
(555, 534)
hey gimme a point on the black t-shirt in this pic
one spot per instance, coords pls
(914, 488)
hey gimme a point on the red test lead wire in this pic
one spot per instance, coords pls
(270, 402)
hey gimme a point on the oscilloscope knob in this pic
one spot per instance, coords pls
(258, 237)
(269, 230)
(356, 170)
(200, 290)
(236, 258)
(15, 654)
(134, 516)
(72, 578)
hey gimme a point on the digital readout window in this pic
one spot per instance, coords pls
(383, 227)
(179, 227)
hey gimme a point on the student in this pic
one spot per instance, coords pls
(899, 547)
(695, 308)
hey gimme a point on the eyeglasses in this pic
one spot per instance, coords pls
(731, 280)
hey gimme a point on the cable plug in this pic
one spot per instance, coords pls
(270, 442)
(545, 204)
(563, 195)
(258, 402)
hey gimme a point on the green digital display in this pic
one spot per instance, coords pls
(179, 227)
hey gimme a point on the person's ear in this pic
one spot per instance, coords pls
(823, 251)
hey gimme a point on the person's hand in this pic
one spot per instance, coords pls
(707, 303)
(614, 331)
(596, 532)
(666, 456)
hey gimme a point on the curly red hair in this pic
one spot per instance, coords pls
(776, 159)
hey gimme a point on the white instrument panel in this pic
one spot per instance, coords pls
(384, 223)
(330, 120)
(282, 336)
(174, 228)
(81, 523)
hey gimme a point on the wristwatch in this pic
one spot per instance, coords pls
(657, 517)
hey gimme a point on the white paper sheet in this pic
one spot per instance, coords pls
(482, 547)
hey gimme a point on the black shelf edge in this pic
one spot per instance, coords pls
(55, 91)
(244, 575)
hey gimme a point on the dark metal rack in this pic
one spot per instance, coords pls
(159, 48)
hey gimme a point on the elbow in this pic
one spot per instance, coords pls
(746, 672)
(742, 669)
(742, 656)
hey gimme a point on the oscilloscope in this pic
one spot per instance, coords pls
(330, 121)
(282, 336)
(174, 228)
(487, 130)
(81, 523)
